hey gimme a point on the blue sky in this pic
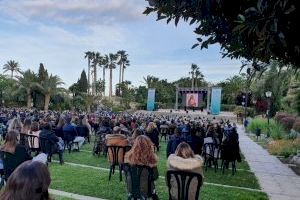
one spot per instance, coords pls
(58, 32)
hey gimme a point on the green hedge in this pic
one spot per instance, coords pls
(228, 107)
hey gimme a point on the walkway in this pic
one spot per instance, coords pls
(275, 178)
(72, 195)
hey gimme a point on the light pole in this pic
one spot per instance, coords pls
(244, 104)
(176, 103)
(268, 95)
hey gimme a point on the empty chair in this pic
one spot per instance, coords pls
(116, 158)
(210, 153)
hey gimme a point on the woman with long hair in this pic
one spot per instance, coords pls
(142, 154)
(26, 126)
(153, 134)
(15, 124)
(35, 131)
(184, 159)
(30, 181)
(15, 153)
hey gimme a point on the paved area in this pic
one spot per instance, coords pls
(71, 195)
(275, 178)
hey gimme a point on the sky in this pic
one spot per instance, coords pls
(58, 32)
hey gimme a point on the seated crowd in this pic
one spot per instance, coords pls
(130, 142)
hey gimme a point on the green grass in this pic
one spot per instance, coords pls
(92, 182)
(55, 197)
(242, 178)
(276, 129)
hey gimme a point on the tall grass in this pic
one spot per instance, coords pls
(276, 129)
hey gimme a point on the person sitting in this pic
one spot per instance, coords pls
(195, 142)
(13, 153)
(82, 129)
(230, 151)
(56, 142)
(142, 154)
(30, 181)
(153, 133)
(116, 139)
(184, 159)
(70, 133)
(34, 130)
(174, 141)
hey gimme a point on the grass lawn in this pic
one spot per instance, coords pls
(94, 182)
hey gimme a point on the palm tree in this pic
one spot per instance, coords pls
(95, 62)
(194, 67)
(12, 66)
(49, 87)
(123, 62)
(89, 56)
(27, 82)
(103, 60)
(112, 58)
(150, 81)
(198, 77)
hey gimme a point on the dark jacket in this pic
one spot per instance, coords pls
(12, 161)
(70, 132)
(154, 136)
(82, 130)
(52, 138)
(173, 143)
(196, 143)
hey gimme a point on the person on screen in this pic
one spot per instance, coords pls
(192, 101)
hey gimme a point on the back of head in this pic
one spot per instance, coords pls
(34, 126)
(184, 150)
(11, 140)
(142, 152)
(30, 181)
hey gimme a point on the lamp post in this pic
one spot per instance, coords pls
(244, 105)
(268, 95)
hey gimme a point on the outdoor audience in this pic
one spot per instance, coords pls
(138, 133)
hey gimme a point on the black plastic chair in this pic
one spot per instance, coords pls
(24, 140)
(46, 146)
(183, 180)
(211, 155)
(114, 151)
(164, 131)
(133, 174)
(68, 141)
(32, 139)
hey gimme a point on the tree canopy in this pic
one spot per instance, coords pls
(256, 30)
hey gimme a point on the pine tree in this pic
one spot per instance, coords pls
(83, 82)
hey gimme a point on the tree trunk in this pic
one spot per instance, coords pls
(12, 74)
(47, 102)
(95, 79)
(110, 83)
(29, 99)
(123, 74)
(89, 75)
(120, 74)
(104, 81)
(193, 81)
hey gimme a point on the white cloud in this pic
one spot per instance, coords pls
(81, 12)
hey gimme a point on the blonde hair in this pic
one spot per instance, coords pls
(15, 124)
(151, 126)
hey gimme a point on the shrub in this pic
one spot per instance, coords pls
(288, 122)
(276, 129)
(241, 110)
(228, 107)
(280, 115)
(284, 147)
(296, 126)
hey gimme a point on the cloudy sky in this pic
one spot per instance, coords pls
(58, 32)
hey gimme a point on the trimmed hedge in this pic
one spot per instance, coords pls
(228, 107)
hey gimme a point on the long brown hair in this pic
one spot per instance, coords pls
(142, 152)
(11, 140)
(184, 150)
(30, 181)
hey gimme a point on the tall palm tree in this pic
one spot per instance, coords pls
(95, 62)
(89, 56)
(27, 82)
(194, 67)
(104, 63)
(12, 66)
(124, 63)
(49, 87)
(198, 76)
(112, 61)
